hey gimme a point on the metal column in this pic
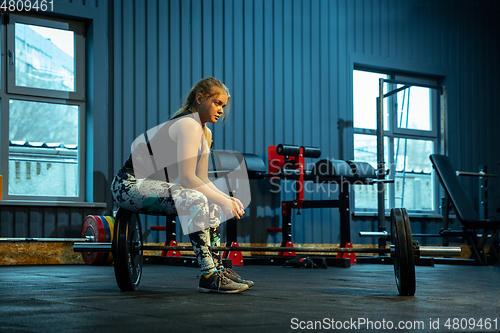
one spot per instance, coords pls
(380, 162)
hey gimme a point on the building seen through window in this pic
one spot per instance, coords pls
(44, 132)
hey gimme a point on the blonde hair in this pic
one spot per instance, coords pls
(208, 87)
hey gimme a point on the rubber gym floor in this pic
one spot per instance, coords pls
(361, 298)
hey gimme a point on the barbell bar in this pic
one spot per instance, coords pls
(127, 249)
(386, 235)
(426, 251)
(474, 174)
(47, 240)
(383, 234)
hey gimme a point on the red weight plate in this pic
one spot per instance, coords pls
(93, 226)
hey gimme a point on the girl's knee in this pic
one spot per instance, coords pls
(194, 198)
(215, 212)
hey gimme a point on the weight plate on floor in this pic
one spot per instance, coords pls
(127, 252)
(94, 226)
(402, 252)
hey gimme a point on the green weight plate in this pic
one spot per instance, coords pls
(127, 252)
(402, 254)
(108, 223)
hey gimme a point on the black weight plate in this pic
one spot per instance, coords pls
(403, 258)
(127, 250)
(411, 286)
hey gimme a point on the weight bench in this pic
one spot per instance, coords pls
(467, 215)
(288, 162)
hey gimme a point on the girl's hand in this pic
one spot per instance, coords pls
(239, 205)
(232, 209)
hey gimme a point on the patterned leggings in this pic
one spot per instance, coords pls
(159, 197)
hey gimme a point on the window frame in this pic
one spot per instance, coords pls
(76, 27)
(8, 91)
(393, 132)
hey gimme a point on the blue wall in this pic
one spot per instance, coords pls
(288, 65)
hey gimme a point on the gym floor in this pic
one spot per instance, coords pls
(364, 297)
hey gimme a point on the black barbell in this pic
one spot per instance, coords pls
(46, 240)
(127, 249)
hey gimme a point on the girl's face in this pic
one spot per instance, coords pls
(211, 109)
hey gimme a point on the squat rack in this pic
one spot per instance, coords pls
(381, 173)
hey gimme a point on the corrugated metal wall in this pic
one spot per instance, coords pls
(39, 221)
(288, 64)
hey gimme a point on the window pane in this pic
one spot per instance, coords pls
(43, 149)
(365, 149)
(365, 92)
(413, 182)
(45, 57)
(414, 108)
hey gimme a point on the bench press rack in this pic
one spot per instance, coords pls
(288, 162)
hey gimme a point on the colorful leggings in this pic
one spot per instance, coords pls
(162, 198)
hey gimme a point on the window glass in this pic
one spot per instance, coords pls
(408, 141)
(413, 186)
(43, 149)
(365, 93)
(414, 108)
(44, 102)
(365, 149)
(44, 57)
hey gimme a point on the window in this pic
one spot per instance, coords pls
(411, 108)
(42, 109)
